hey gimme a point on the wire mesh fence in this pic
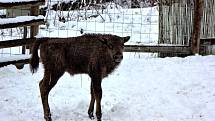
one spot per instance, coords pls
(110, 18)
(10, 34)
(76, 17)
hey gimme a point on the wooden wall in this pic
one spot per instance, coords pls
(208, 22)
(176, 19)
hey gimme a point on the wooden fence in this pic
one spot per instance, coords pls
(176, 21)
(175, 27)
(33, 6)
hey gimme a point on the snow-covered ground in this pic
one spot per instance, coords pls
(143, 88)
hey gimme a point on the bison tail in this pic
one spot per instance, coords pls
(34, 61)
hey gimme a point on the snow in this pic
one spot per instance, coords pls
(143, 88)
(12, 1)
(20, 19)
(14, 58)
(2, 12)
(60, 1)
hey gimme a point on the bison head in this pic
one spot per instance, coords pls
(115, 46)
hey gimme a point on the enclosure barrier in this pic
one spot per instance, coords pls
(175, 28)
(158, 49)
(33, 21)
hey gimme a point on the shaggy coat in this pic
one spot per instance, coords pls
(94, 54)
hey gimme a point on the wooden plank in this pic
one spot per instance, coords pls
(24, 37)
(128, 48)
(34, 28)
(161, 24)
(206, 46)
(24, 61)
(198, 12)
(175, 22)
(210, 41)
(207, 29)
(19, 42)
(156, 49)
(17, 60)
(21, 4)
(21, 24)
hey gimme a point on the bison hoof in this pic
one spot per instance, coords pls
(48, 118)
(91, 116)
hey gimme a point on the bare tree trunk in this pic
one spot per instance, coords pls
(198, 11)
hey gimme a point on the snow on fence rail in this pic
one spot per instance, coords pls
(4, 4)
(21, 21)
(15, 59)
(22, 25)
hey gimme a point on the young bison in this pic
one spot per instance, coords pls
(94, 54)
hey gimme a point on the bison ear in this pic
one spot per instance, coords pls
(125, 39)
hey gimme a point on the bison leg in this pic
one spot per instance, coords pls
(97, 89)
(92, 101)
(46, 84)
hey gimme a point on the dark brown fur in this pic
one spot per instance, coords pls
(94, 54)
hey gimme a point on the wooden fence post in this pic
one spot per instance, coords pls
(161, 25)
(34, 28)
(198, 11)
(24, 37)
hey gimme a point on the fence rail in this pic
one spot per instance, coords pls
(15, 62)
(158, 49)
(17, 42)
(10, 5)
(22, 24)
